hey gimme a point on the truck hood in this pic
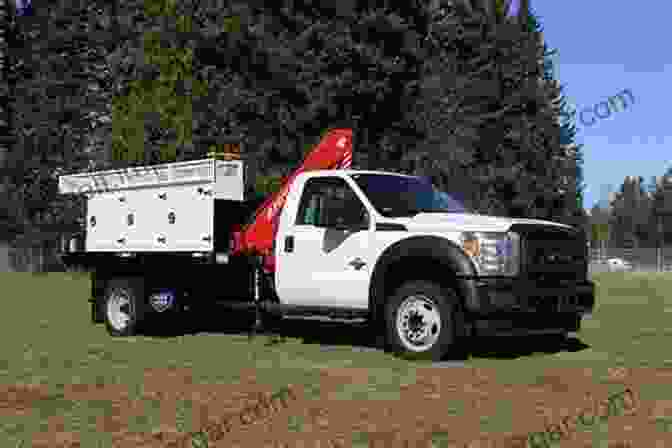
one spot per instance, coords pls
(467, 222)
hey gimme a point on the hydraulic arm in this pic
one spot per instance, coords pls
(257, 237)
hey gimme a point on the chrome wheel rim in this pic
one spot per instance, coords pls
(418, 323)
(119, 310)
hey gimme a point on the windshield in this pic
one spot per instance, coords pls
(405, 196)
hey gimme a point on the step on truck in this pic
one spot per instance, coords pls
(335, 242)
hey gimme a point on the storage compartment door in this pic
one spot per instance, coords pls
(184, 218)
(106, 229)
(142, 219)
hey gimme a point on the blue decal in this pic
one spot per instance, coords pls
(162, 300)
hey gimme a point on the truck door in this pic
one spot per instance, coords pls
(326, 261)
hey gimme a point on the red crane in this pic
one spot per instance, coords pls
(257, 237)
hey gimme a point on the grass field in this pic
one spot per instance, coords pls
(65, 382)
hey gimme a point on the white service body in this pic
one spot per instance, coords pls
(160, 208)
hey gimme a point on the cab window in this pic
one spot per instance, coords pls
(327, 201)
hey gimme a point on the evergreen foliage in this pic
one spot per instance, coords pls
(454, 90)
(152, 118)
(485, 112)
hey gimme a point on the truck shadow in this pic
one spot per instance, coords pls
(510, 347)
(335, 335)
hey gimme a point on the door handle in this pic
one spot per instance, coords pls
(289, 243)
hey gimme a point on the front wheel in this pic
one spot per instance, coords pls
(421, 320)
(123, 306)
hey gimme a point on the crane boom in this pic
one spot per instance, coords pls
(334, 151)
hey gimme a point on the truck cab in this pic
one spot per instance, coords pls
(353, 239)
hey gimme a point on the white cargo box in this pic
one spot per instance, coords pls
(168, 207)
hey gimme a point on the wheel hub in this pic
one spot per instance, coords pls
(418, 323)
(119, 311)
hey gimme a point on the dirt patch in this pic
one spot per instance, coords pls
(20, 398)
(464, 407)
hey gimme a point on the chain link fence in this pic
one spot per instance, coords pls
(639, 259)
(36, 251)
(37, 257)
(42, 255)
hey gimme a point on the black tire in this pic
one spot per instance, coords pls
(97, 311)
(131, 290)
(97, 297)
(445, 301)
(551, 342)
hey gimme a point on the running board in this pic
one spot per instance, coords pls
(298, 310)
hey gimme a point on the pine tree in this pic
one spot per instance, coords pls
(58, 72)
(152, 114)
(630, 213)
(486, 115)
(661, 210)
(296, 68)
(571, 170)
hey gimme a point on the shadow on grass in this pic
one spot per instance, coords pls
(355, 336)
(328, 334)
(515, 347)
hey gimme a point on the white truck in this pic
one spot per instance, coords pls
(423, 271)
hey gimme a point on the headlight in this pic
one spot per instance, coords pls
(493, 253)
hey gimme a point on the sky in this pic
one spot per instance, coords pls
(603, 48)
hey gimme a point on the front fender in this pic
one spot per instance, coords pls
(440, 249)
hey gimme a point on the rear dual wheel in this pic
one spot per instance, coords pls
(124, 307)
(129, 306)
